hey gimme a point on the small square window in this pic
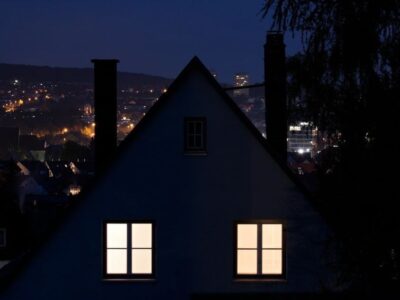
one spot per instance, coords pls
(259, 252)
(195, 135)
(128, 250)
(3, 237)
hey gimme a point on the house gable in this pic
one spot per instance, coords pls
(194, 202)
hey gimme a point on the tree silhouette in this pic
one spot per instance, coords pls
(349, 76)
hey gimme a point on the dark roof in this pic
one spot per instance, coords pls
(9, 133)
(9, 139)
(30, 143)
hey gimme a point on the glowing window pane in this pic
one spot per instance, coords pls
(116, 235)
(247, 262)
(141, 261)
(272, 235)
(117, 261)
(272, 261)
(247, 235)
(141, 235)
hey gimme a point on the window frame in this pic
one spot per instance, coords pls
(129, 275)
(259, 276)
(4, 233)
(195, 151)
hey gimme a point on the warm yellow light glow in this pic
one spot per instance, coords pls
(117, 235)
(247, 235)
(117, 261)
(272, 248)
(88, 131)
(74, 190)
(259, 249)
(141, 248)
(142, 235)
(247, 239)
(137, 259)
(272, 236)
(272, 261)
(247, 262)
(141, 261)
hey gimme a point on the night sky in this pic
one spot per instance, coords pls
(149, 36)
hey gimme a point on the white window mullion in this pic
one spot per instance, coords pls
(259, 249)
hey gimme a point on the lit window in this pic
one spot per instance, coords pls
(195, 135)
(259, 250)
(128, 250)
(3, 237)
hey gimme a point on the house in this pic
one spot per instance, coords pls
(11, 222)
(194, 205)
(9, 137)
(32, 147)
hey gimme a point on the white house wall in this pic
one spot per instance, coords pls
(194, 201)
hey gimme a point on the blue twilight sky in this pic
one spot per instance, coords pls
(149, 36)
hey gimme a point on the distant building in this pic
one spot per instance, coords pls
(302, 138)
(14, 145)
(9, 141)
(32, 147)
(241, 80)
(88, 109)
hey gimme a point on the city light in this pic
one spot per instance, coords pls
(295, 128)
(88, 131)
(74, 190)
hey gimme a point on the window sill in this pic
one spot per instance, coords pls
(260, 279)
(200, 153)
(149, 280)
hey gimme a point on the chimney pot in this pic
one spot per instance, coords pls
(275, 93)
(105, 99)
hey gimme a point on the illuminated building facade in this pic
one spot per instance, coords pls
(302, 138)
(88, 110)
(241, 80)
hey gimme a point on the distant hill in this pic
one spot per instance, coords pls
(73, 75)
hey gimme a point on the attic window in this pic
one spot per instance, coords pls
(3, 237)
(259, 250)
(128, 250)
(195, 135)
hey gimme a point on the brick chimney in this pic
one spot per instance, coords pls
(275, 93)
(105, 103)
